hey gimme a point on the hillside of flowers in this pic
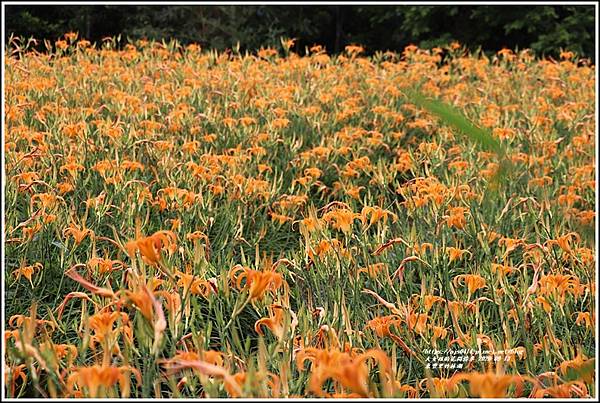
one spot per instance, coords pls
(187, 223)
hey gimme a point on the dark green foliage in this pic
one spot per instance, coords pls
(545, 29)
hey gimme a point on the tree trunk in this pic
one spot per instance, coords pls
(339, 21)
(88, 23)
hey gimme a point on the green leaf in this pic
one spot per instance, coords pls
(452, 117)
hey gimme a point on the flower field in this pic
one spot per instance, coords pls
(187, 223)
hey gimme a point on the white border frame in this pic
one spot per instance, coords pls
(324, 3)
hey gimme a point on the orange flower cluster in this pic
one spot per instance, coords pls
(290, 223)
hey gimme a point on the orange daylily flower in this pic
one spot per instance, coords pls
(27, 271)
(145, 301)
(502, 269)
(439, 333)
(195, 285)
(78, 234)
(175, 365)
(564, 242)
(96, 381)
(490, 384)
(381, 326)
(456, 253)
(26, 178)
(349, 370)
(377, 214)
(310, 224)
(354, 191)
(102, 324)
(354, 50)
(545, 303)
(510, 243)
(341, 219)
(280, 218)
(272, 382)
(64, 187)
(209, 356)
(105, 265)
(560, 286)
(417, 322)
(11, 374)
(585, 319)
(439, 387)
(324, 247)
(276, 321)
(578, 364)
(142, 301)
(472, 281)
(73, 168)
(313, 172)
(429, 300)
(456, 217)
(566, 390)
(47, 200)
(257, 282)
(150, 247)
